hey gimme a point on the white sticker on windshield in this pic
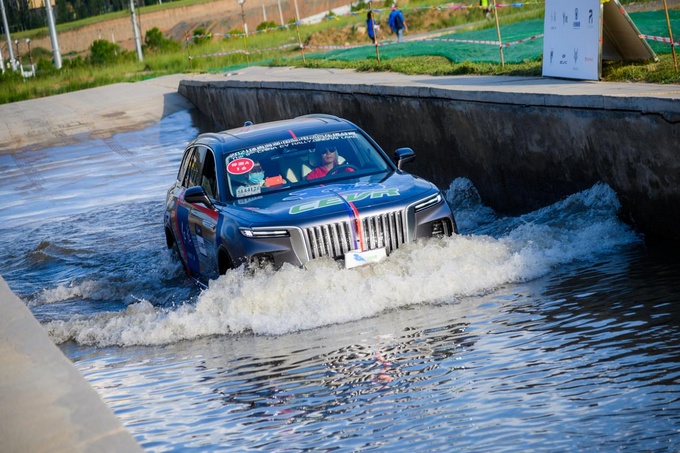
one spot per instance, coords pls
(246, 191)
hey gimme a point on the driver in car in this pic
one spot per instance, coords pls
(328, 154)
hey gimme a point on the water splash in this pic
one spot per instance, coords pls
(492, 251)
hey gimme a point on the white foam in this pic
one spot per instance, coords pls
(582, 227)
(66, 291)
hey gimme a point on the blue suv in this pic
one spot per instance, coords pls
(296, 190)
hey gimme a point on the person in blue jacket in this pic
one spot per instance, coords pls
(397, 22)
(371, 26)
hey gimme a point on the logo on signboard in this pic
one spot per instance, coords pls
(577, 23)
(573, 38)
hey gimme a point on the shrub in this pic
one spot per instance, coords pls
(45, 67)
(73, 63)
(361, 5)
(155, 41)
(266, 25)
(103, 52)
(201, 36)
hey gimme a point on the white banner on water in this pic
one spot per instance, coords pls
(572, 40)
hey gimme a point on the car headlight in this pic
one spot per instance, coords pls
(263, 233)
(428, 202)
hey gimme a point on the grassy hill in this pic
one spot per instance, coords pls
(221, 50)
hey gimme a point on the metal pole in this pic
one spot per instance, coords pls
(498, 29)
(56, 53)
(264, 13)
(12, 61)
(297, 30)
(21, 67)
(375, 35)
(245, 31)
(297, 12)
(135, 30)
(670, 34)
(281, 15)
(30, 54)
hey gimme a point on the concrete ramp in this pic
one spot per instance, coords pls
(45, 403)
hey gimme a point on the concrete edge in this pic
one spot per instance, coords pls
(45, 403)
(669, 108)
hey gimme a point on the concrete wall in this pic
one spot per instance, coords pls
(522, 151)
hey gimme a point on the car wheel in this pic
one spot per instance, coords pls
(170, 239)
(174, 246)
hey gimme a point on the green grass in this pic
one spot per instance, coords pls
(431, 65)
(223, 54)
(654, 72)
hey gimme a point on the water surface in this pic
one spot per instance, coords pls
(553, 331)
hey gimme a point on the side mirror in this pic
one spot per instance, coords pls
(404, 155)
(196, 195)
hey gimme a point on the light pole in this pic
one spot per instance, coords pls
(16, 43)
(56, 52)
(297, 11)
(135, 31)
(243, 16)
(30, 54)
(12, 61)
(281, 15)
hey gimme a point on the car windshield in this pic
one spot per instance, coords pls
(299, 161)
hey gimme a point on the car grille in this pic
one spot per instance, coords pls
(335, 239)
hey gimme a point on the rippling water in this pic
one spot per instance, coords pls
(554, 331)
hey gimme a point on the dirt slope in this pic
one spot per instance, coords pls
(218, 16)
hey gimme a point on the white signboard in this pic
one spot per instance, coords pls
(572, 39)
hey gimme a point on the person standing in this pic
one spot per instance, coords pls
(371, 26)
(484, 4)
(397, 22)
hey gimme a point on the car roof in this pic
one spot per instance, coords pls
(254, 134)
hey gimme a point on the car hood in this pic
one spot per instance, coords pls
(315, 202)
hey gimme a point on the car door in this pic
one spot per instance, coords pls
(196, 222)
